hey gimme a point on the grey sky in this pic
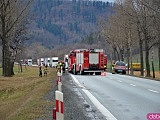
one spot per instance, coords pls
(105, 0)
(108, 0)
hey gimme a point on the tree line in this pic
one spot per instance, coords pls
(133, 24)
(13, 31)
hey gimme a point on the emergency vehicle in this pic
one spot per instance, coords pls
(86, 61)
(105, 62)
(66, 61)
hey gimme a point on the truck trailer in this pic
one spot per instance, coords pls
(54, 62)
(86, 61)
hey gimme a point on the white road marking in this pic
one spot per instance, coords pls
(133, 85)
(119, 80)
(153, 91)
(99, 106)
(79, 84)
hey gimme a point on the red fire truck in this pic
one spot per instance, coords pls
(105, 62)
(86, 61)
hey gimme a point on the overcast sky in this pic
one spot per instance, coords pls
(108, 0)
(105, 0)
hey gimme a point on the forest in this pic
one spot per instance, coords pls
(58, 22)
(134, 27)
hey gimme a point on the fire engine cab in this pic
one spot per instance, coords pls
(86, 61)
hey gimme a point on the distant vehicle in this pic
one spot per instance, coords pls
(86, 61)
(135, 66)
(54, 62)
(66, 61)
(40, 61)
(28, 62)
(47, 62)
(119, 67)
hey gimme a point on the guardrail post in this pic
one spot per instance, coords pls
(59, 86)
(58, 77)
(54, 113)
(144, 73)
(59, 105)
(129, 71)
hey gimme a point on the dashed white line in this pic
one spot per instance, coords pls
(111, 78)
(153, 91)
(133, 85)
(119, 80)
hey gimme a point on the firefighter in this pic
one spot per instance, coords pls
(40, 71)
(113, 68)
(63, 67)
(59, 67)
(105, 67)
(61, 64)
(45, 71)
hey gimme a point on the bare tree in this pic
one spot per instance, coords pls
(134, 20)
(11, 15)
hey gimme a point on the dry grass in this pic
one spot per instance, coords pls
(21, 95)
(157, 74)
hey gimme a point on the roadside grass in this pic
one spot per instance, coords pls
(21, 96)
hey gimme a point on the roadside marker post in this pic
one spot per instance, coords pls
(129, 71)
(59, 106)
(58, 111)
(59, 86)
(54, 113)
(58, 77)
(144, 73)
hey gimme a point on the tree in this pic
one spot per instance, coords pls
(134, 20)
(11, 15)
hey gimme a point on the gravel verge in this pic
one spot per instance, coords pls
(76, 107)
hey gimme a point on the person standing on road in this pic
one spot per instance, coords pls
(63, 67)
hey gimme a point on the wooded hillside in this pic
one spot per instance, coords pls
(58, 22)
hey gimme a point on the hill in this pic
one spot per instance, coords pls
(61, 22)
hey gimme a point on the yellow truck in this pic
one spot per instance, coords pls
(136, 66)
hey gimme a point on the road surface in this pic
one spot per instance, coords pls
(121, 97)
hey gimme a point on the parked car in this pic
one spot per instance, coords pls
(119, 67)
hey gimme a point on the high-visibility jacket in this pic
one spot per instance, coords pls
(45, 70)
(59, 67)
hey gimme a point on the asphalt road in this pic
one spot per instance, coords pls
(121, 97)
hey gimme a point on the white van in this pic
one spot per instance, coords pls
(29, 62)
(66, 61)
(54, 62)
(48, 61)
(40, 61)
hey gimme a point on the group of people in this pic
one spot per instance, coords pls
(45, 70)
